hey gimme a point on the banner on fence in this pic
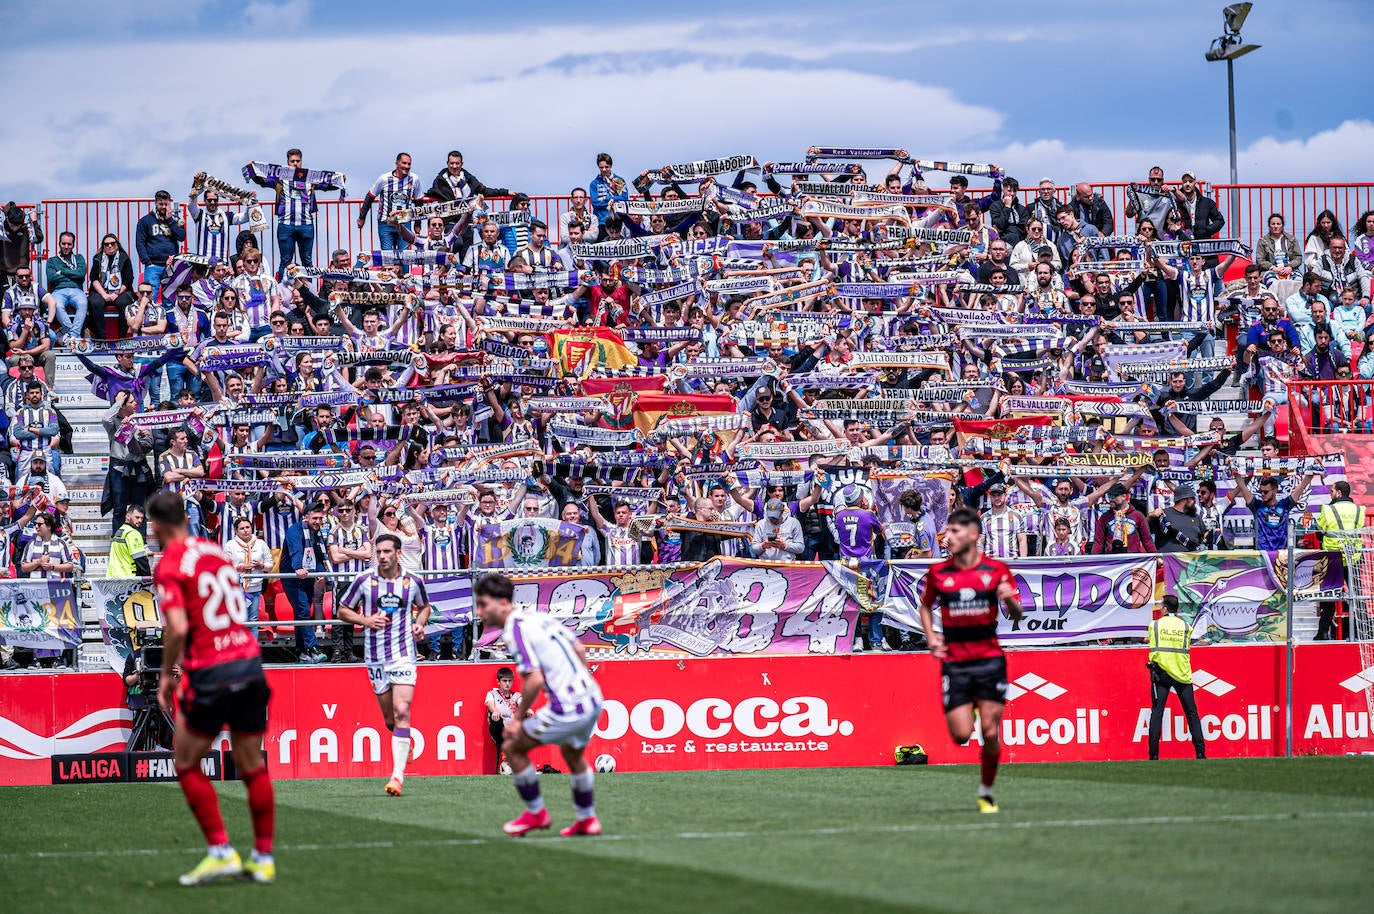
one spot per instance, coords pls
(39, 613)
(724, 607)
(1092, 599)
(1240, 595)
(123, 604)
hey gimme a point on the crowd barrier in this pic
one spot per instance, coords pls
(1066, 704)
(1246, 207)
(742, 607)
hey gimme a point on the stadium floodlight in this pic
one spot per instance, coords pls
(1222, 50)
(1234, 17)
(1228, 47)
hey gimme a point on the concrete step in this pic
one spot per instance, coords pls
(96, 565)
(83, 495)
(90, 439)
(96, 529)
(85, 470)
(80, 400)
(70, 372)
(84, 512)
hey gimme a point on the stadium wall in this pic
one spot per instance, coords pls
(1086, 704)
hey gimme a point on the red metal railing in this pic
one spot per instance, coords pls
(1328, 408)
(1246, 206)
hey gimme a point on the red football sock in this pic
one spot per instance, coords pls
(204, 803)
(262, 804)
(991, 757)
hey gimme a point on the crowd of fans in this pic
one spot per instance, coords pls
(843, 362)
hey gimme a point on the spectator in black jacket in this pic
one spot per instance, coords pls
(158, 237)
(1181, 528)
(702, 547)
(19, 233)
(1200, 214)
(454, 182)
(1178, 391)
(1089, 207)
(1009, 215)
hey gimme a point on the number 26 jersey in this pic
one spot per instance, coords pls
(196, 577)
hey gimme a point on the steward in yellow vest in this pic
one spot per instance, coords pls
(1170, 668)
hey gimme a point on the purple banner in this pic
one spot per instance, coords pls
(722, 608)
(1241, 596)
(1066, 600)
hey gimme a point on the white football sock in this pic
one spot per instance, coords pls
(400, 751)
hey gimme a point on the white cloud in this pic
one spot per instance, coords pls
(290, 16)
(531, 109)
(1334, 155)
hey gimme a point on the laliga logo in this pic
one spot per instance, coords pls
(712, 718)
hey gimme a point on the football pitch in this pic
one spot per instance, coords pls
(1241, 835)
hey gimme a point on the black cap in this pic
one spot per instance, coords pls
(1184, 491)
(1117, 491)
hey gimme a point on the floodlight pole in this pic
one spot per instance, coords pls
(1231, 111)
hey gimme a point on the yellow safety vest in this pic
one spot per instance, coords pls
(1169, 640)
(1340, 515)
(126, 546)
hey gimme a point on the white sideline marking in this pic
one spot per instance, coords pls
(723, 835)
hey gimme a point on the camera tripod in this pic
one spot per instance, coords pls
(153, 727)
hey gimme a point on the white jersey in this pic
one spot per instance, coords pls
(540, 642)
(399, 598)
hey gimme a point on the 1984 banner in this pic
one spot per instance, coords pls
(726, 606)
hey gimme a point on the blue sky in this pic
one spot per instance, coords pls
(148, 93)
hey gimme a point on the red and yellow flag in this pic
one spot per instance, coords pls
(649, 408)
(581, 349)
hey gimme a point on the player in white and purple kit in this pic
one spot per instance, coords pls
(550, 659)
(392, 607)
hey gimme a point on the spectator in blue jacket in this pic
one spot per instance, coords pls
(158, 237)
(606, 186)
(302, 556)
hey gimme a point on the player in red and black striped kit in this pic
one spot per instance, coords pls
(970, 588)
(203, 614)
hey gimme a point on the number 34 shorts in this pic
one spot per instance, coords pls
(386, 675)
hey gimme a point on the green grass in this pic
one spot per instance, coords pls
(1246, 836)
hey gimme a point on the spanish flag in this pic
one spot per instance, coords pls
(649, 408)
(622, 393)
(997, 428)
(581, 349)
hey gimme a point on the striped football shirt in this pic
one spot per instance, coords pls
(540, 642)
(400, 598)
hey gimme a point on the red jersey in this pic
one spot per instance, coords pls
(196, 577)
(968, 605)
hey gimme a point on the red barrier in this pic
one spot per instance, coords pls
(1088, 704)
(1245, 206)
(1333, 699)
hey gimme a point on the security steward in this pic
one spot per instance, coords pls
(1171, 668)
(128, 550)
(1341, 514)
